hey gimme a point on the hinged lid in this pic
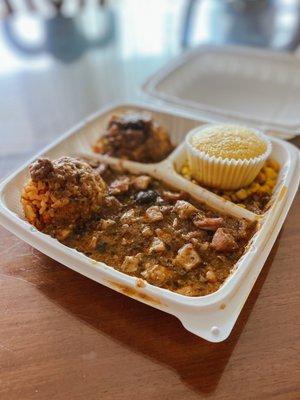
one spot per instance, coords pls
(251, 86)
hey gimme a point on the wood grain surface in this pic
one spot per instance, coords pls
(65, 337)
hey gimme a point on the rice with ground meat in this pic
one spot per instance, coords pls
(61, 193)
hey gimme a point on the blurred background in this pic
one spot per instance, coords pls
(62, 60)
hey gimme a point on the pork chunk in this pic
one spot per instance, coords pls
(147, 231)
(201, 235)
(157, 246)
(187, 257)
(153, 214)
(173, 196)
(223, 241)
(119, 186)
(209, 224)
(184, 209)
(141, 182)
(131, 263)
(157, 274)
(128, 217)
(113, 203)
(165, 236)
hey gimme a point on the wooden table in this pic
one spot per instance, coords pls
(65, 337)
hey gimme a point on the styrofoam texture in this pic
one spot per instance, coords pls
(211, 317)
(250, 86)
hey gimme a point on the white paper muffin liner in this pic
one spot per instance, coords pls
(224, 173)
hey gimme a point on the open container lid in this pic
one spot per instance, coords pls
(251, 86)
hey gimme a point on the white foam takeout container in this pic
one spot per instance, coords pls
(250, 86)
(211, 317)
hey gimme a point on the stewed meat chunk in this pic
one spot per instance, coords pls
(185, 209)
(141, 182)
(157, 274)
(153, 214)
(187, 257)
(131, 263)
(157, 246)
(209, 224)
(136, 137)
(223, 241)
(119, 186)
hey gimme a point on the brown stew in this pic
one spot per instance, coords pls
(150, 231)
(136, 224)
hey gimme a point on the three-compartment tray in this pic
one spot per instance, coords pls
(211, 317)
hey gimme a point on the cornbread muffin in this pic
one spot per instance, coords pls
(229, 141)
(226, 156)
(61, 193)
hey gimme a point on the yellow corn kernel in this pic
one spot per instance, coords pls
(241, 194)
(273, 164)
(271, 183)
(270, 173)
(241, 205)
(254, 187)
(264, 189)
